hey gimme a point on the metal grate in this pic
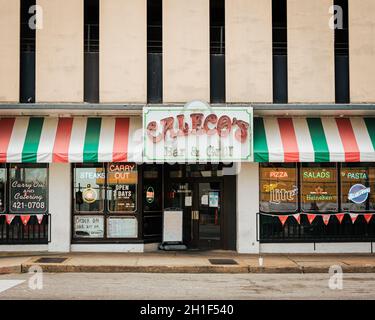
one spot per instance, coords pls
(50, 260)
(223, 261)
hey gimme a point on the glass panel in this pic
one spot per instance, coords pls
(152, 188)
(357, 182)
(319, 187)
(28, 189)
(204, 170)
(89, 188)
(88, 226)
(278, 188)
(120, 227)
(209, 211)
(179, 195)
(122, 187)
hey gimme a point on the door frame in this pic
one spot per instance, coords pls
(195, 243)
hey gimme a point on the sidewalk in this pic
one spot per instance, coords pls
(188, 262)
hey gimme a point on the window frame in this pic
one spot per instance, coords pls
(106, 214)
(8, 187)
(282, 165)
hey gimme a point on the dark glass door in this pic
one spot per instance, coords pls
(201, 205)
(207, 222)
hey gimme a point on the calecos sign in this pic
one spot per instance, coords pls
(198, 132)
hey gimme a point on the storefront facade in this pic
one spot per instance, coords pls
(80, 184)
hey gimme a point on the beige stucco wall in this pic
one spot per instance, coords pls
(123, 51)
(59, 52)
(248, 36)
(310, 52)
(186, 55)
(362, 50)
(10, 52)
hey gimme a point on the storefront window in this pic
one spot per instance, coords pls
(278, 188)
(319, 187)
(89, 188)
(28, 189)
(103, 193)
(357, 183)
(122, 179)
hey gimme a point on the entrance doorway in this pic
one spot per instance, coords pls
(198, 191)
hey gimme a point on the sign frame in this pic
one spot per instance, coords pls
(198, 107)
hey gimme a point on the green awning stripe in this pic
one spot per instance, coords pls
(370, 124)
(91, 145)
(319, 140)
(31, 144)
(260, 141)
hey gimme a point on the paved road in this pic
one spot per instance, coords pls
(186, 286)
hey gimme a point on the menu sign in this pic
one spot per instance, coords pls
(122, 227)
(319, 188)
(28, 196)
(89, 226)
(278, 188)
(122, 184)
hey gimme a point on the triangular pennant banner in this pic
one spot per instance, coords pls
(39, 217)
(311, 217)
(283, 219)
(25, 219)
(326, 218)
(297, 216)
(353, 216)
(9, 218)
(340, 217)
(368, 217)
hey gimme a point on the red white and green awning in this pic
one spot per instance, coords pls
(78, 139)
(325, 139)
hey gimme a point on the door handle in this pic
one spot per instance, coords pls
(195, 215)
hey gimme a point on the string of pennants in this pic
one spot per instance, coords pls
(24, 218)
(326, 217)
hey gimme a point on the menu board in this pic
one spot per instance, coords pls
(278, 189)
(89, 226)
(28, 190)
(122, 227)
(319, 189)
(356, 191)
(122, 187)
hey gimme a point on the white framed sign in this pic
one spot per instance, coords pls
(89, 226)
(172, 225)
(198, 132)
(122, 227)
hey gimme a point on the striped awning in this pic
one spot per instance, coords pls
(325, 139)
(78, 139)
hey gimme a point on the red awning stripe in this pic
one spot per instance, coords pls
(6, 128)
(349, 142)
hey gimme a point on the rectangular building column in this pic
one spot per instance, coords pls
(59, 52)
(362, 51)
(10, 50)
(186, 50)
(60, 206)
(248, 37)
(123, 51)
(311, 62)
(247, 208)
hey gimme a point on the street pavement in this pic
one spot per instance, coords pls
(184, 286)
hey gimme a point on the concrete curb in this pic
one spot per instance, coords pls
(61, 268)
(11, 269)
